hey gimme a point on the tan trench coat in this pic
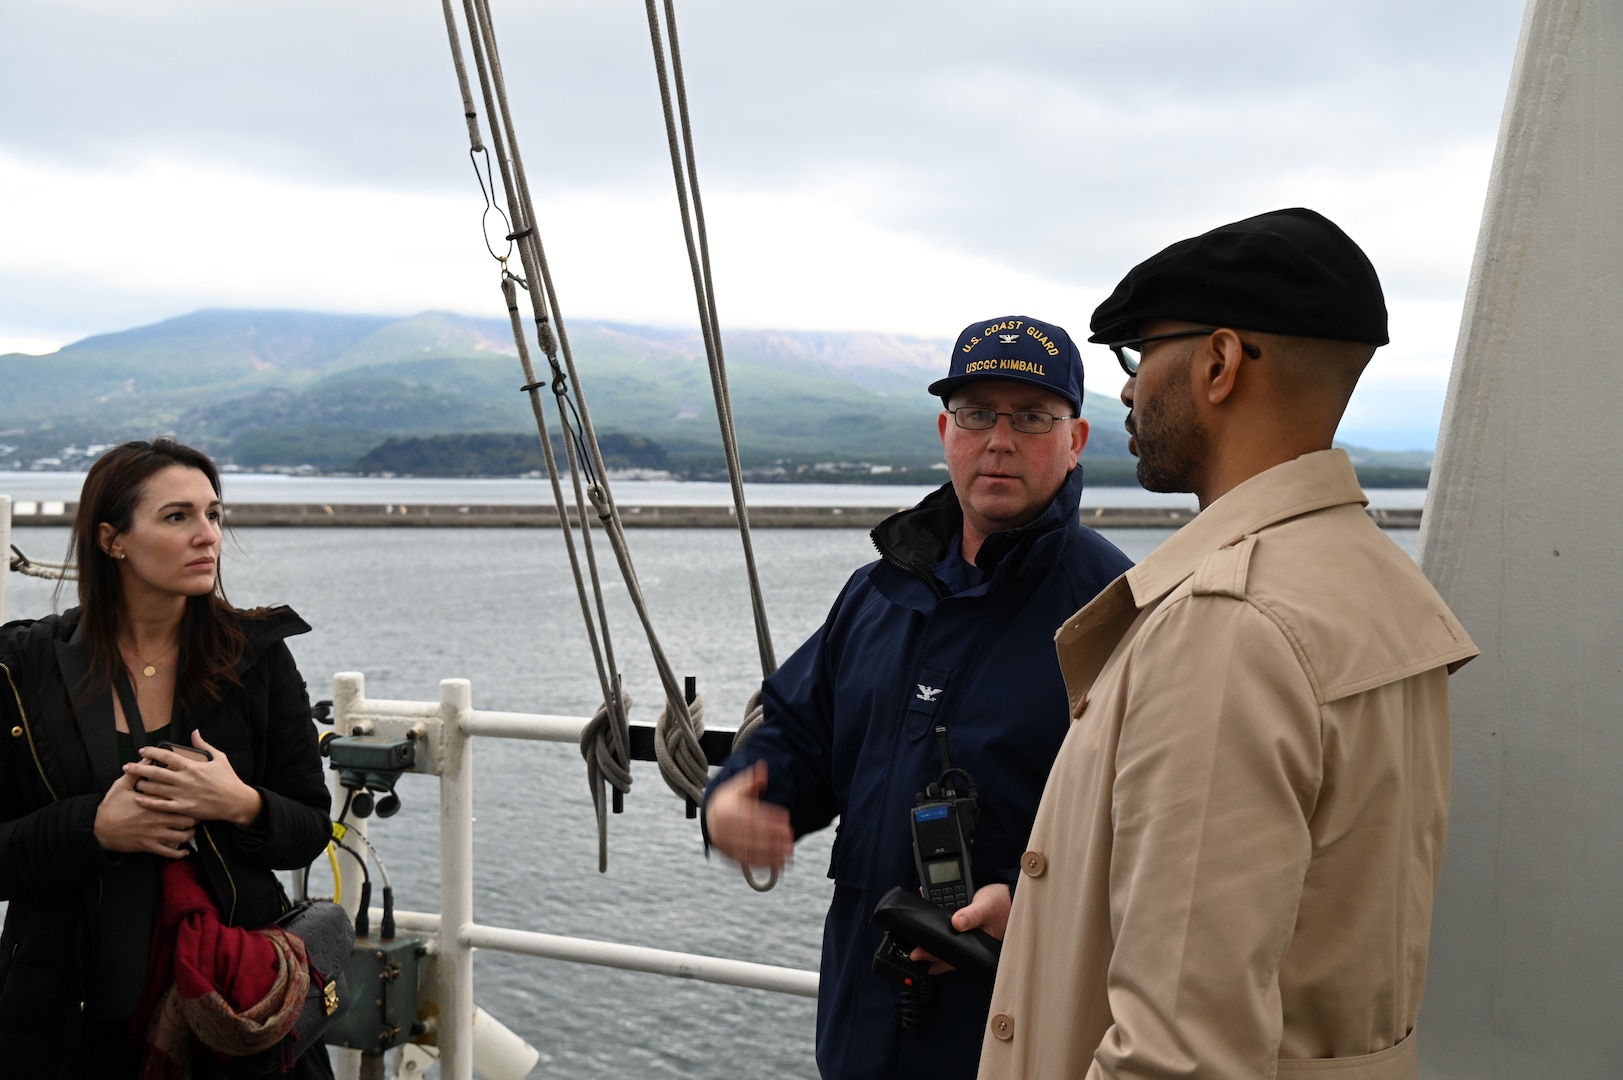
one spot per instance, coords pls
(1232, 870)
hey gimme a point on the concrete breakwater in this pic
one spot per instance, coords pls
(441, 515)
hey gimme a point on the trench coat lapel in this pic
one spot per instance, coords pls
(1087, 640)
(95, 716)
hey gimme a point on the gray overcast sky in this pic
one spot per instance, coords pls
(901, 166)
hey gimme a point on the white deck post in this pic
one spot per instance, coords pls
(1522, 535)
(348, 698)
(456, 881)
(5, 555)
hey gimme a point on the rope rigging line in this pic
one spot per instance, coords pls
(606, 745)
(685, 171)
(606, 742)
(698, 247)
(41, 568)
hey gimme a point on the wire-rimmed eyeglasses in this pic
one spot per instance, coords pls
(1029, 421)
(1130, 352)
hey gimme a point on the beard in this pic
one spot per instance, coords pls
(1171, 441)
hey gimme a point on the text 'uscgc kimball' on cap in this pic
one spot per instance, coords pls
(1017, 347)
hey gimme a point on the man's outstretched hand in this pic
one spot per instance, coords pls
(750, 831)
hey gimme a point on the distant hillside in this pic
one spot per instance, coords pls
(262, 388)
(254, 386)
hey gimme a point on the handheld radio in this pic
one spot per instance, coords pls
(943, 831)
(943, 828)
(941, 849)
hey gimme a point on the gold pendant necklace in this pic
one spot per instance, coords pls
(150, 667)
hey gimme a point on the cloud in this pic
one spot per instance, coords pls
(176, 236)
(899, 166)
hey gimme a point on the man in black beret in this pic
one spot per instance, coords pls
(1232, 867)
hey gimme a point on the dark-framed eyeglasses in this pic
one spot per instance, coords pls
(1029, 421)
(1130, 353)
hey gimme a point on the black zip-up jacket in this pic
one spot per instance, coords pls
(56, 764)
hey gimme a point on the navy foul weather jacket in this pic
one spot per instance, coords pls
(918, 640)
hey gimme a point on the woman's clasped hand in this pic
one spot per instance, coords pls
(180, 785)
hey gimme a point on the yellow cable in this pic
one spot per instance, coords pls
(337, 878)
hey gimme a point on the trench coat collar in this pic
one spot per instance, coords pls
(1311, 482)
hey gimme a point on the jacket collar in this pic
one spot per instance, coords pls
(92, 716)
(1311, 482)
(265, 628)
(1061, 513)
(917, 538)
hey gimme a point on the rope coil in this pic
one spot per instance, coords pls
(681, 755)
(607, 762)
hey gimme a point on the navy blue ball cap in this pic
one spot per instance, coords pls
(1285, 272)
(1018, 348)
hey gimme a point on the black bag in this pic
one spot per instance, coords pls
(329, 938)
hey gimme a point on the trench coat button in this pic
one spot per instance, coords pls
(1033, 863)
(17, 732)
(1003, 1026)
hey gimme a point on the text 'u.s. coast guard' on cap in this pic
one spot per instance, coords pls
(1019, 348)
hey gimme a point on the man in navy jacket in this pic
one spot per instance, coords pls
(952, 627)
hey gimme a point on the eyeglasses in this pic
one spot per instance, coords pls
(1130, 353)
(1029, 421)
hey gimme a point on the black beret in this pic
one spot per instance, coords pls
(1285, 272)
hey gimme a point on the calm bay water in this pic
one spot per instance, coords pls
(409, 607)
(275, 488)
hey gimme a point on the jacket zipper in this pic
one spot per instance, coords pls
(28, 730)
(231, 916)
(923, 575)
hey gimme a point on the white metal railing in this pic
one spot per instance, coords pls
(444, 731)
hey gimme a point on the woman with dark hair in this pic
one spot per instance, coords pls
(154, 722)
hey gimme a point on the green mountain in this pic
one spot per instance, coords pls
(261, 387)
(288, 388)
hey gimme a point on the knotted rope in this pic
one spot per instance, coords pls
(607, 761)
(681, 761)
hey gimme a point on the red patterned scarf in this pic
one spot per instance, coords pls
(235, 991)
